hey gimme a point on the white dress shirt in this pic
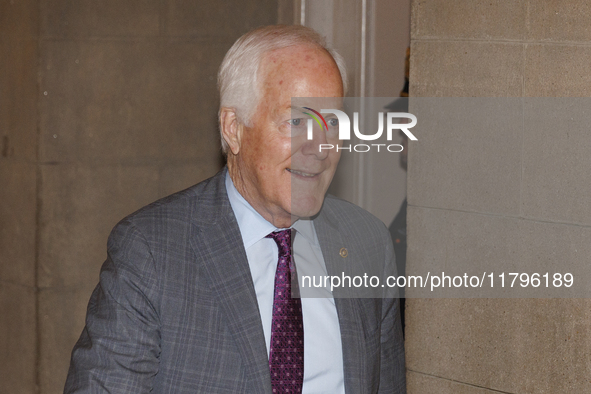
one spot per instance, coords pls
(323, 353)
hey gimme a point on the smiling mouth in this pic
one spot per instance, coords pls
(303, 174)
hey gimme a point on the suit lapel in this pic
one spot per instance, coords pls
(219, 239)
(348, 309)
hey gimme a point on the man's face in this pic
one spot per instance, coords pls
(285, 177)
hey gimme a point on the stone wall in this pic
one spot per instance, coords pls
(18, 194)
(104, 107)
(533, 202)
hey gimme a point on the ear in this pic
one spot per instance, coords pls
(231, 129)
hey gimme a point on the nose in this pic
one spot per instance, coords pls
(317, 146)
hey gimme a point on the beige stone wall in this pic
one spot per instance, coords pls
(18, 194)
(533, 201)
(104, 107)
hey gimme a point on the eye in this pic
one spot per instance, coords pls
(333, 122)
(295, 121)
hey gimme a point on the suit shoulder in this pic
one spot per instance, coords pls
(173, 211)
(345, 213)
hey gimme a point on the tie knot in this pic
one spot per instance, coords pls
(283, 240)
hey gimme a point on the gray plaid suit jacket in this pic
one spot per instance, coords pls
(175, 310)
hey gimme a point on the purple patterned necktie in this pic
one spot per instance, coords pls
(286, 359)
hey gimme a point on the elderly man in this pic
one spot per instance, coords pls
(195, 294)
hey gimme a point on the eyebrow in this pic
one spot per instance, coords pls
(293, 107)
(315, 115)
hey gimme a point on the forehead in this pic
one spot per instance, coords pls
(286, 67)
(303, 54)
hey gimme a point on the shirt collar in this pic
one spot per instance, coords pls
(305, 228)
(253, 227)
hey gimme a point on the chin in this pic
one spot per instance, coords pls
(305, 207)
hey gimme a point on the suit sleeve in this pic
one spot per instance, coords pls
(119, 349)
(392, 363)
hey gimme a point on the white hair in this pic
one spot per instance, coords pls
(237, 77)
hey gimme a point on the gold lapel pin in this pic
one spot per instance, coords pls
(344, 252)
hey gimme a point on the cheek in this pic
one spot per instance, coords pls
(335, 157)
(255, 153)
(279, 152)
